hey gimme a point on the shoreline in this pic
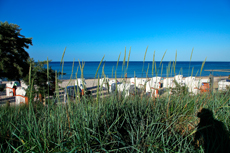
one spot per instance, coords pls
(223, 76)
(94, 82)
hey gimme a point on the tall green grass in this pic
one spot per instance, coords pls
(112, 123)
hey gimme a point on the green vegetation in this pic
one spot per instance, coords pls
(2, 87)
(40, 79)
(135, 124)
(13, 63)
(110, 124)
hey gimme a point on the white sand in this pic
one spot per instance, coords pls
(89, 82)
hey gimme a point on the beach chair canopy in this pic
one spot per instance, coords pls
(153, 84)
(168, 83)
(178, 78)
(80, 82)
(189, 80)
(133, 80)
(103, 82)
(112, 85)
(223, 84)
(123, 86)
(11, 84)
(155, 79)
(24, 85)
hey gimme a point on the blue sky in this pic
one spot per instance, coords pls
(92, 29)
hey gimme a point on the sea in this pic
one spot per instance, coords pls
(93, 69)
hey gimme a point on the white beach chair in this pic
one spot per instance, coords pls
(103, 82)
(81, 83)
(189, 82)
(9, 87)
(179, 79)
(194, 87)
(141, 83)
(153, 86)
(134, 81)
(148, 86)
(112, 84)
(20, 96)
(124, 88)
(222, 85)
(168, 83)
(23, 84)
(120, 87)
(156, 79)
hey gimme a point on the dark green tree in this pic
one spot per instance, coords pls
(45, 84)
(13, 57)
(42, 77)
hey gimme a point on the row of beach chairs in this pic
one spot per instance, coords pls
(150, 86)
(154, 84)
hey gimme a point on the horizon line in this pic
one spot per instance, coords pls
(137, 61)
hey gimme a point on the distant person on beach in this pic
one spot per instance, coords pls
(211, 133)
(126, 76)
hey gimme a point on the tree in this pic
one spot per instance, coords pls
(14, 59)
(43, 80)
(39, 77)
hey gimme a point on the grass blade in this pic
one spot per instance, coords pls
(144, 60)
(99, 66)
(124, 59)
(174, 65)
(202, 66)
(163, 58)
(118, 60)
(153, 63)
(190, 61)
(128, 59)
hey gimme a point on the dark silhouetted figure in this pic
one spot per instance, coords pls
(211, 133)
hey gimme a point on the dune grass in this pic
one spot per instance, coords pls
(110, 124)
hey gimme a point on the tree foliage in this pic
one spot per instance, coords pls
(44, 83)
(13, 63)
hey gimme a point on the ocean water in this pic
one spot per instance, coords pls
(139, 69)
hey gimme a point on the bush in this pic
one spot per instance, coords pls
(2, 87)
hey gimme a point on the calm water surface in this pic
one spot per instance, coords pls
(137, 69)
